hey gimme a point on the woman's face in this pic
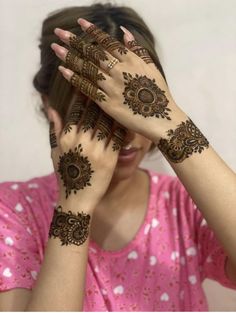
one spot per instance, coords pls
(130, 156)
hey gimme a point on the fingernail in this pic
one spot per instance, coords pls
(129, 36)
(84, 23)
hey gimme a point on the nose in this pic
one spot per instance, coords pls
(129, 137)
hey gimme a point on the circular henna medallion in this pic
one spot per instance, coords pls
(144, 97)
(75, 170)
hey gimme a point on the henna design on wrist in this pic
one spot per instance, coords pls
(52, 136)
(87, 88)
(75, 170)
(144, 97)
(91, 117)
(118, 138)
(108, 42)
(90, 51)
(69, 227)
(104, 126)
(76, 113)
(185, 140)
(142, 52)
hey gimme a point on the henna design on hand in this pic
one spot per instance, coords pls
(91, 51)
(108, 42)
(104, 126)
(73, 61)
(75, 170)
(144, 97)
(69, 227)
(91, 117)
(185, 140)
(118, 138)
(76, 113)
(87, 88)
(52, 136)
(142, 52)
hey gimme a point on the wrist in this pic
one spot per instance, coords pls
(76, 205)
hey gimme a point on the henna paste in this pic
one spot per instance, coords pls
(118, 138)
(69, 227)
(142, 52)
(185, 140)
(108, 42)
(144, 97)
(87, 88)
(76, 113)
(52, 136)
(75, 170)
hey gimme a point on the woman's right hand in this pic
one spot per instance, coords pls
(84, 153)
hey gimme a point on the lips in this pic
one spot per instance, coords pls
(128, 151)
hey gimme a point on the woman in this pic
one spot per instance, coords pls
(120, 238)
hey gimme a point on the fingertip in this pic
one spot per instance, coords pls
(84, 23)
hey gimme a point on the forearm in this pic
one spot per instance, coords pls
(212, 186)
(61, 281)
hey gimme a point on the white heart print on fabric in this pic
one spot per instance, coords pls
(33, 185)
(155, 179)
(146, 229)
(164, 297)
(14, 186)
(191, 251)
(34, 274)
(7, 272)
(152, 260)
(118, 290)
(192, 279)
(174, 255)
(166, 194)
(155, 222)
(19, 207)
(9, 241)
(133, 255)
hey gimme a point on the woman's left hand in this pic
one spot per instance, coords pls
(121, 79)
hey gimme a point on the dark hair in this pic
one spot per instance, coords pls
(49, 81)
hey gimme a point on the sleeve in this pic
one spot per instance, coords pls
(212, 256)
(19, 258)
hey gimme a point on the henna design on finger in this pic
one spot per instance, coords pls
(87, 88)
(91, 117)
(104, 126)
(73, 61)
(142, 52)
(76, 113)
(69, 227)
(91, 72)
(75, 170)
(108, 42)
(185, 140)
(144, 97)
(52, 136)
(118, 138)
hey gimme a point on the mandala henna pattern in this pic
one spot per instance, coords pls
(142, 52)
(76, 114)
(144, 97)
(87, 88)
(118, 138)
(69, 227)
(75, 170)
(52, 136)
(185, 140)
(108, 42)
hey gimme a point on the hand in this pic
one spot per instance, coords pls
(122, 81)
(84, 153)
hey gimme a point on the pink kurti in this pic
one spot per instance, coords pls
(161, 269)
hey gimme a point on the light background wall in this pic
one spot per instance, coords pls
(197, 48)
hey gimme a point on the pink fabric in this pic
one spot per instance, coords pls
(161, 269)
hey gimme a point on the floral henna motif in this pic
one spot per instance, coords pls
(104, 126)
(76, 114)
(75, 170)
(69, 227)
(144, 97)
(118, 138)
(185, 140)
(108, 42)
(52, 136)
(91, 117)
(142, 52)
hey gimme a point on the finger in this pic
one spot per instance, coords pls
(104, 127)
(109, 43)
(55, 127)
(52, 136)
(118, 137)
(90, 118)
(84, 86)
(135, 47)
